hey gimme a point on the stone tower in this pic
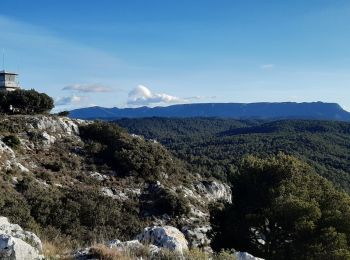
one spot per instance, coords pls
(8, 81)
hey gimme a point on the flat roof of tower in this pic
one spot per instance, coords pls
(7, 72)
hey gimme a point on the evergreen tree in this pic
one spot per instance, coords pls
(283, 210)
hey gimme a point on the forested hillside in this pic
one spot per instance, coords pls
(77, 183)
(215, 146)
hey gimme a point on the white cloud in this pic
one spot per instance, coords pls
(141, 95)
(71, 100)
(96, 88)
(267, 66)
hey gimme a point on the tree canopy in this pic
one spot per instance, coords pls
(25, 102)
(283, 210)
(214, 147)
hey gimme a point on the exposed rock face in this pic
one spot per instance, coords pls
(98, 176)
(114, 193)
(198, 236)
(47, 139)
(51, 128)
(52, 124)
(46, 130)
(214, 190)
(165, 237)
(15, 243)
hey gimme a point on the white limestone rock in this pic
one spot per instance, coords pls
(53, 124)
(20, 167)
(197, 236)
(165, 237)
(47, 139)
(114, 193)
(15, 243)
(245, 256)
(214, 190)
(13, 164)
(131, 244)
(12, 248)
(98, 176)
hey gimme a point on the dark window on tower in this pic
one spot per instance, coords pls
(10, 77)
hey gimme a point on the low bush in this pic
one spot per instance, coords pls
(12, 141)
(168, 202)
(82, 213)
(131, 155)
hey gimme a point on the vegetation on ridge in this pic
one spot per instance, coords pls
(283, 210)
(298, 213)
(25, 102)
(214, 147)
(60, 199)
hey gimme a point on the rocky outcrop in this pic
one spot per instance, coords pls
(152, 239)
(214, 190)
(198, 236)
(53, 124)
(47, 139)
(166, 237)
(15, 243)
(8, 159)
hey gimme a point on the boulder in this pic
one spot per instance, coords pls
(15, 243)
(164, 236)
(12, 248)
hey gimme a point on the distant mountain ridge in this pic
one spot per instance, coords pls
(262, 110)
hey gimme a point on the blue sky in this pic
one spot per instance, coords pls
(161, 52)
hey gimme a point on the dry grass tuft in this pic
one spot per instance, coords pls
(52, 250)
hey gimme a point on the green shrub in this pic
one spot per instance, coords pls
(131, 156)
(55, 166)
(82, 213)
(14, 206)
(25, 102)
(297, 213)
(171, 203)
(12, 141)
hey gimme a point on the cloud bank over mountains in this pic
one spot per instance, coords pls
(142, 96)
(88, 88)
(71, 100)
